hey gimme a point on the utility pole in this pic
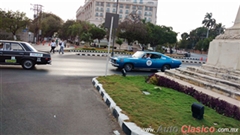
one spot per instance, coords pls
(37, 8)
(114, 31)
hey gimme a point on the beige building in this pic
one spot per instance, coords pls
(94, 11)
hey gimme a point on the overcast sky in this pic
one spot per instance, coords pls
(182, 15)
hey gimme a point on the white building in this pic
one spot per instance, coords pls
(94, 11)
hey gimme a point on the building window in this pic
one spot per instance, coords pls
(150, 8)
(140, 12)
(146, 14)
(97, 3)
(127, 7)
(135, 1)
(101, 9)
(102, 3)
(121, 5)
(101, 14)
(121, 11)
(150, 14)
(108, 4)
(141, 2)
(114, 10)
(126, 12)
(134, 7)
(114, 5)
(150, 3)
(96, 14)
(149, 19)
(120, 16)
(96, 9)
(108, 10)
(140, 7)
(146, 8)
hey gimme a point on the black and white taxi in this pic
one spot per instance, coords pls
(22, 53)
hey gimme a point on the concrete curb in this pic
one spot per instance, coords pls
(92, 51)
(129, 128)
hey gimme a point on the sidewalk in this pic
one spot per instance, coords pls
(46, 47)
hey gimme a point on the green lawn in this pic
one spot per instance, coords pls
(163, 107)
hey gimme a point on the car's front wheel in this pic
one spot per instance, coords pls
(165, 67)
(128, 67)
(28, 64)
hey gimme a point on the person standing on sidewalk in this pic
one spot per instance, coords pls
(53, 46)
(61, 44)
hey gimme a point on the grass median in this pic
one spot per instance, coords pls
(163, 107)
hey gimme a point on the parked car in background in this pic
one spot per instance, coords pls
(145, 60)
(187, 54)
(22, 53)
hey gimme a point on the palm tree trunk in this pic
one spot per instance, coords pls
(207, 33)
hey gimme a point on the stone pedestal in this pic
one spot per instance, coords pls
(224, 50)
(224, 53)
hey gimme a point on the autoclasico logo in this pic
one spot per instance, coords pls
(199, 129)
(189, 129)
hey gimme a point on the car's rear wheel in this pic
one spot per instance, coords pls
(165, 67)
(28, 64)
(128, 67)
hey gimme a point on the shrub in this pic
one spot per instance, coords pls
(221, 106)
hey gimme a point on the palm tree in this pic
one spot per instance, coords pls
(208, 22)
(219, 28)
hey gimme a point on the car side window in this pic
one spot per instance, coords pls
(1, 46)
(16, 47)
(155, 56)
(6, 46)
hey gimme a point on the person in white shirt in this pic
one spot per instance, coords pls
(148, 56)
(61, 47)
(53, 46)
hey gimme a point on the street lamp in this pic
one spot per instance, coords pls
(114, 32)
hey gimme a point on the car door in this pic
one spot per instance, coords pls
(157, 62)
(13, 53)
(145, 62)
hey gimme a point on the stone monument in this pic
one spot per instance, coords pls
(220, 76)
(224, 50)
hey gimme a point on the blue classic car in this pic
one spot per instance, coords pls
(145, 60)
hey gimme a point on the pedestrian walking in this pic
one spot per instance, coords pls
(62, 45)
(53, 46)
(57, 42)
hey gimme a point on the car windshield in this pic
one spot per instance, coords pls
(138, 55)
(31, 47)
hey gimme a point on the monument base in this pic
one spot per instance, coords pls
(224, 54)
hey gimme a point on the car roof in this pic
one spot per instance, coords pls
(152, 52)
(11, 41)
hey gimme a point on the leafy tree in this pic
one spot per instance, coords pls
(48, 23)
(208, 22)
(86, 37)
(159, 35)
(79, 28)
(120, 42)
(13, 21)
(97, 33)
(64, 31)
(185, 36)
(132, 29)
(218, 29)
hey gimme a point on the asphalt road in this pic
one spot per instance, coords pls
(56, 99)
